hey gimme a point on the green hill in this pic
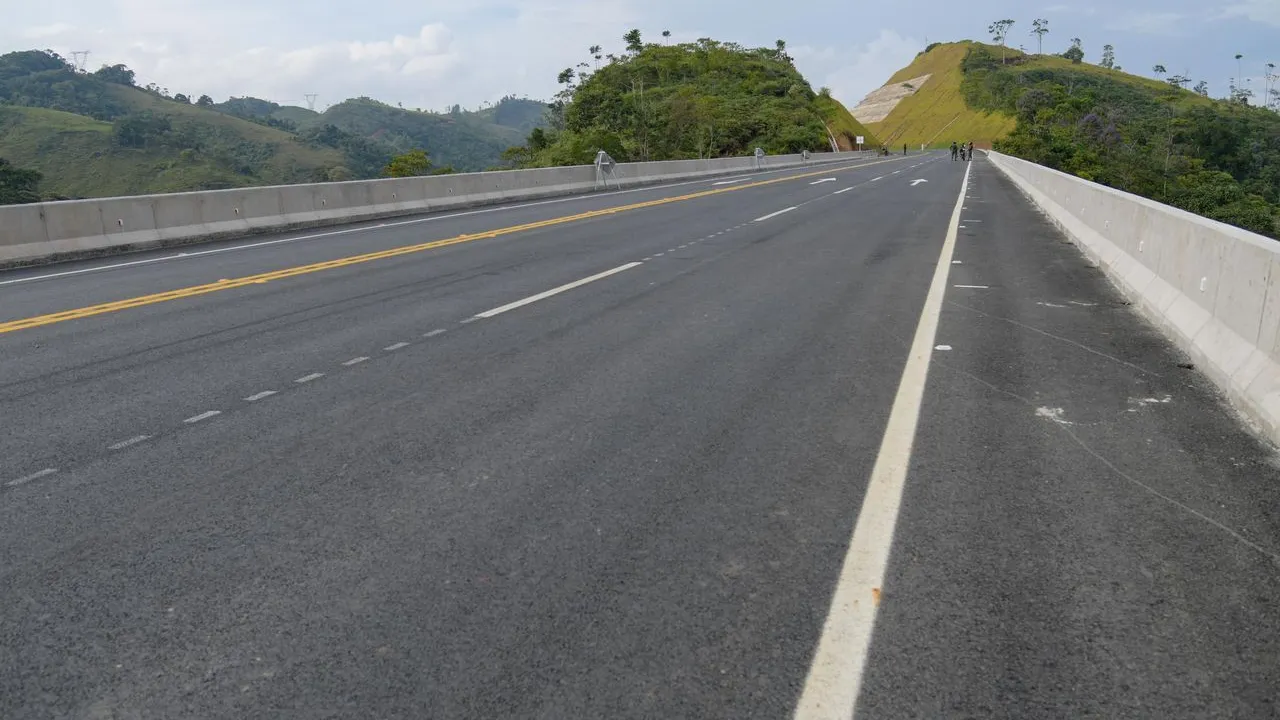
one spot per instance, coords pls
(935, 112)
(92, 135)
(286, 117)
(520, 114)
(97, 134)
(693, 100)
(1218, 158)
(467, 141)
(81, 157)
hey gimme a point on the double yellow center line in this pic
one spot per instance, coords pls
(195, 290)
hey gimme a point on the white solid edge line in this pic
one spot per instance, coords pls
(773, 215)
(556, 291)
(398, 223)
(835, 677)
(32, 476)
(202, 416)
(260, 396)
(131, 441)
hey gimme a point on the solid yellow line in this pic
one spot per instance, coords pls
(118, 305)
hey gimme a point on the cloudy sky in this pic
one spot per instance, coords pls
(433, 53)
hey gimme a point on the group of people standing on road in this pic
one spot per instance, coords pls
(965, 152)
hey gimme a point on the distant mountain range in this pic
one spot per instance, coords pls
(98, 134)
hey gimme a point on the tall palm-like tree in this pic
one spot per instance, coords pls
(1040, 28)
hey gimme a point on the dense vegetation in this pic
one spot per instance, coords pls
(97, 134)
(464, 140)
(18, 185)
(694, 100)
(1220, 159)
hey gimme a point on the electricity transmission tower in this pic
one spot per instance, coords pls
(311, 100)
(79, 58)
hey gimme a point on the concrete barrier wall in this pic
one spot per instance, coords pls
(1212, 287)
(47, 232)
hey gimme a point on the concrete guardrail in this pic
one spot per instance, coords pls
(1212, 287)
(47, 232)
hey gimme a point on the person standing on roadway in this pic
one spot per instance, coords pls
(954, 150)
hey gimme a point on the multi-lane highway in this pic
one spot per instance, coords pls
(869, 434)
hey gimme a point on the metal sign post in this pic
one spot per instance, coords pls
(604, 170)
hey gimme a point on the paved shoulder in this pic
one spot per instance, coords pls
(1087, 530)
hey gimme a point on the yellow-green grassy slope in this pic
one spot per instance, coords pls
(843, 125)
(937, 113)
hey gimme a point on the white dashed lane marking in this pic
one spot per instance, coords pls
(202, 416)
(556, 291)
(309, 378)
(260, 396)
(355, 361)
(127, 443)
(33, 476)
(774, 214)
(396, 346)
(433, 333)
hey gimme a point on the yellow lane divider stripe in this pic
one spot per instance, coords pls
(118, 305)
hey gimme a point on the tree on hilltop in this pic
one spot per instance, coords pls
(1000, 32)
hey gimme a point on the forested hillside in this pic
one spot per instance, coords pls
(96, 134)
(466, 140)
(692, 100)
(1217, 158)
(93, 134)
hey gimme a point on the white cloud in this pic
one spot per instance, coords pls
(1264, 11)
(452, 53)
(851, 74)
(1149, 23)
(45, 31)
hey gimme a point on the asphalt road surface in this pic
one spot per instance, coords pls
(607, 457)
